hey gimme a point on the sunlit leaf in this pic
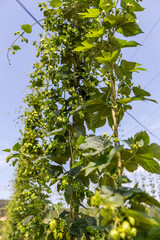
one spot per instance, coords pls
(55, 3)
(91, 13)
(16, 47)
(26, 28)
(16, 147)
(132, 5)
(129, 29)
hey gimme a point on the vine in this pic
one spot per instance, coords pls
(65, 101)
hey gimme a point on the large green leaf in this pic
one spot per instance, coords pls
(132, 5)
(140, 92)
(97, 109)
(74, 171)
(153, 150)
(95, 33)
(115, 21)
(142, 221)
(115, 150)
(26, 28)
(141, 139)
(94, 145)
(59, 159)
(148, 163)
(129, 29)
(124, 43)
(16, 147)
(86, 46)
(154, 233)
(55, 3)
(108, 57)
(128, 66)
(100, 163)
(75, 230)
(55, 171)
(67, 193)
(111, 197)
(142, 154)
(27, 219)
(96, 114)
(106, 4)
(143, 197)
(91, 13)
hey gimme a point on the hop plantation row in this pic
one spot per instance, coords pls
(81, 82)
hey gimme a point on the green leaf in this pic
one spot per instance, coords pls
(131, 99)
(16, 147)
(143, 222)
(14, 162)
(107, 5)
(90, 220)
(143, 197)
(75, 171)
(55, 3)
(67, 193)
(129, 29)
(142, 139)
(82, 223)
(115, 150)
(110, 197)
(41, 231)
(153, 150)
(95, 33)
(154, 233)
(59, 159)
(109, 58)
(124, 43)
(80, 48)
(148, 163)
(129, 161)
(115, 21)
(128, 66)
(145, 155)
(16, 47)
(57, 132)
(26, 28)
(86, 46)
(55, 171)
(91, 13)
(132, 5)
(75, 230)
(94, 145)
(141, 236)
(140, 92)
(27, 219)
(50, 237)
(7, 150)
(80, 140)
(100, 163)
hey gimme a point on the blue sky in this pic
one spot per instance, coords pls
(15, 78)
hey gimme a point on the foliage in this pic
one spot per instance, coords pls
(81, 82)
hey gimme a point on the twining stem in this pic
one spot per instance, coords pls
(71, 135)
(71, 197)
(115, 125)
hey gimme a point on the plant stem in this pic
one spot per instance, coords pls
(71, 197)
(115, 125)
(75, 63)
